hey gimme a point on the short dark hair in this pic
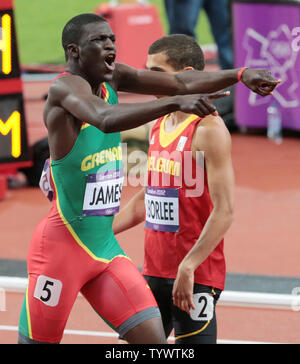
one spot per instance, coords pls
(181, 50)
(73, 29)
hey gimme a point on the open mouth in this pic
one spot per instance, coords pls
(110, 61)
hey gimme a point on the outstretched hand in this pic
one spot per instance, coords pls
(217, 95)
(259, 81)
(200, 104)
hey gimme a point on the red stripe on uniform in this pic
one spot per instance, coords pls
(104, 92)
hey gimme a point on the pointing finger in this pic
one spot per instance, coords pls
(218, 95)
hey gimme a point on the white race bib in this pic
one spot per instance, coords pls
(162, 209)
(45, 181)
(103, 193)
(204, 307)
(48, 290)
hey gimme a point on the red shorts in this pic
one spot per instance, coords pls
(59, 269)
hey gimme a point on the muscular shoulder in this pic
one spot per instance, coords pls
(62, 89)
(67, 85)
(212, 136)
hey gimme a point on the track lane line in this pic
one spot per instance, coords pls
(115, 335)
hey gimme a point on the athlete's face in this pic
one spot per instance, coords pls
(97, 51)
(159, 62)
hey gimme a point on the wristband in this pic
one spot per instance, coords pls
(240, 73)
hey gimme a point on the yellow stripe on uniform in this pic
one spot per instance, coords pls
(166, 139)
(193, 333)
(106, 92)
(84, 126)
(28, 315)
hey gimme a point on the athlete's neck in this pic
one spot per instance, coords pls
(174, 120)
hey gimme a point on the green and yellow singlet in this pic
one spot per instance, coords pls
(87, 187)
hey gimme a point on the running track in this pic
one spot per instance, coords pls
(264, 238)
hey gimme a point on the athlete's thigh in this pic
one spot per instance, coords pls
(200, 327)
(46, 308)
(121, 296)
(162, 291)
(53, 284)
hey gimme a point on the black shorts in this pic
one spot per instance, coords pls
(200, 327)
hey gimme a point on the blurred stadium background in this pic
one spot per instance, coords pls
(39, 27)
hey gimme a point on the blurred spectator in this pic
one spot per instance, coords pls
(183, 17)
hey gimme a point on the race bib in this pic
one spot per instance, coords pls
(103, 193)
(162, 209)
(48, 290)
(45, 181)
(204, 307)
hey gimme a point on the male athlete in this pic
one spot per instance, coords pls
(73, 248)
(189, 203)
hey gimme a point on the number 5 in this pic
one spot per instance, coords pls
(45, 299)
(48, 290)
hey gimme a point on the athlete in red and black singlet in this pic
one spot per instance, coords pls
(176, 212)
(165, 249)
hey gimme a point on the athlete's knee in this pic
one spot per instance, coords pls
(23, 339)
(148, 330)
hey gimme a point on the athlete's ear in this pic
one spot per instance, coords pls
(73, 51)
(188, 68)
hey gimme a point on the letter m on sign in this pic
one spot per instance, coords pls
(13, 125)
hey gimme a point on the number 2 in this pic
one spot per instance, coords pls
(204, 304)
(202, 312)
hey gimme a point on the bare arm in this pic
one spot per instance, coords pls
(190, 82)
(217, 149)
(132, 214)
(74, 95)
